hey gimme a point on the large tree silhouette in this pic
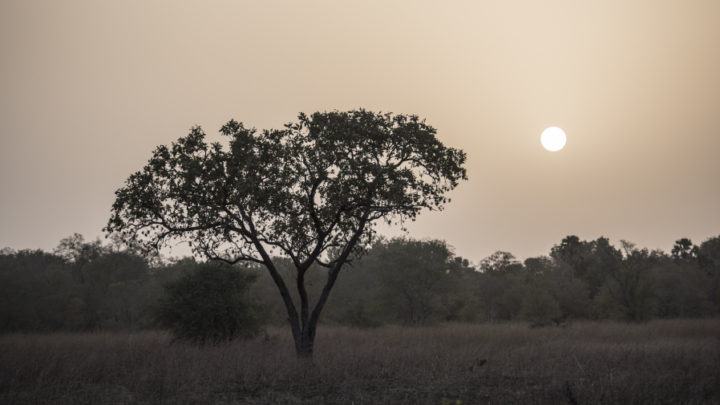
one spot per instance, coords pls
(310, 192)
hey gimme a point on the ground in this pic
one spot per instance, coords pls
(673, 361)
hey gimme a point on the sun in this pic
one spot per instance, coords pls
(553, 139)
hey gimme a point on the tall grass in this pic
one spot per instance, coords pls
(670, 362)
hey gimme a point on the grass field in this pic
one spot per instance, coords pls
(669, 362)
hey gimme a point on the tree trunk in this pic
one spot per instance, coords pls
(304, 327)
(305, 340)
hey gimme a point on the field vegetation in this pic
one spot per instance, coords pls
(662, 361)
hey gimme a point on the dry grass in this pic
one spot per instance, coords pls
(659, 362)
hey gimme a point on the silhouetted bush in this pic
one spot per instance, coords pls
(210, 304)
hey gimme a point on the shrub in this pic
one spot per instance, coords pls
(210, 304)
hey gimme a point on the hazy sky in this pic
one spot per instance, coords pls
(89, 88)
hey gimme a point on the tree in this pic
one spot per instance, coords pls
(500, 263)
(631, 285)
(412, 274)
(78, 253)
(538, 266)
(210, 305)
(310, 192)
(709, 261)
(604, 261)
(573, 254)
(683, 249)
(709, 255)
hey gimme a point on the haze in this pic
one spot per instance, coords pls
(88, 89)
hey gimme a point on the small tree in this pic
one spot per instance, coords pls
(412, 273)
(210, 304)
(310, 192)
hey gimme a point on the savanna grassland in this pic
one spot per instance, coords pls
(663, 361)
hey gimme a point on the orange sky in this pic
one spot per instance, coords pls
(89, 88)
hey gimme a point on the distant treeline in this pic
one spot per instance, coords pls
(91, 286)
